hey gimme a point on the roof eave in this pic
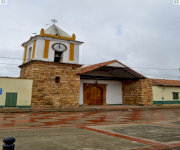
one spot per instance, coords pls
(34, 38)
(96, 66)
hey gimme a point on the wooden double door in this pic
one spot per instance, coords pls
(94, 94)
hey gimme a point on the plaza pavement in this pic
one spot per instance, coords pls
(97, 130)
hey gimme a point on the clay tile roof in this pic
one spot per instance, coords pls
(96, 66)
(164, 82)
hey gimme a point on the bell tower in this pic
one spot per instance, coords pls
(51, 59)
(53, 45)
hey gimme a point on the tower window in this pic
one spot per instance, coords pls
(57, 79)
(58, 57)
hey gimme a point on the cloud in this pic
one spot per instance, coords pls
(138, 33)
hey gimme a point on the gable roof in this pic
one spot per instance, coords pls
(55, 30)
(95, 66)
(164, 82)
(121, 71)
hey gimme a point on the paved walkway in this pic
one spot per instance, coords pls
(101, 130)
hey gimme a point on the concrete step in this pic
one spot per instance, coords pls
(83, 109)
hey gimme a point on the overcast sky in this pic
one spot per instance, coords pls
(138, 33)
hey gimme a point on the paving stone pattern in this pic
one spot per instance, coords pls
(101, 130)
(84, 118)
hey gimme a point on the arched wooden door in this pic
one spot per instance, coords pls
(93, 95)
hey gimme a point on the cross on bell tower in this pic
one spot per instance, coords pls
(54, 21)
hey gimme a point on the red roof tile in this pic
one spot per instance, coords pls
(164, 82)
(96, 66)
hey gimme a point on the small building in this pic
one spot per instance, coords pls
(15, 92)
(165, 91)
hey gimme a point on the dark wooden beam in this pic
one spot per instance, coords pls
(105, 78)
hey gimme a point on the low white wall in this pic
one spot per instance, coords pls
(113, 90)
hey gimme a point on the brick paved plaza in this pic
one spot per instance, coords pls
(105, 130)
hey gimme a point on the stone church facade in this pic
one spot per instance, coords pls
(51, 60)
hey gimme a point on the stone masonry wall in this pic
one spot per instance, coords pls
(48, 94)
(137, 92)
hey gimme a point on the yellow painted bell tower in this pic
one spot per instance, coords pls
(51, 59)
(53, 45)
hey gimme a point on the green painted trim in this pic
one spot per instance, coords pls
(24, 106)
(20, 106)
(165, 102)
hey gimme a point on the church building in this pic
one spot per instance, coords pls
(51, 60)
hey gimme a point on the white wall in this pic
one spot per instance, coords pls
(39, 51)
(76, 54)
(113, 90)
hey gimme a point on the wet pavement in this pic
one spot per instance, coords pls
(133, 129)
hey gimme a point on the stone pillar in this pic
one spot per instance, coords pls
(137, 92)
